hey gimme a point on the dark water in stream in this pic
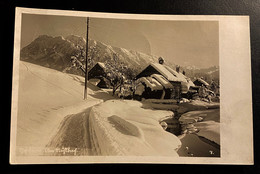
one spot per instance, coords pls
(196, 146)
(192, 144)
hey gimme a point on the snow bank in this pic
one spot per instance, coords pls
(45, 97)
(207, 123)
(168, 101)
(196, 105)
(123, 127)
(94, 81)
(161, 104)
(210, 130)
(206, 115)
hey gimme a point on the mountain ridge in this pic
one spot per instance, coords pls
(55, 52)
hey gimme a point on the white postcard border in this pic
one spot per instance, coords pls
(235, 88)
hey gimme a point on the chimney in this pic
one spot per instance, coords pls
(178, 68)
(160, 60)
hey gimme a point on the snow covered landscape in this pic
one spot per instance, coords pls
(56, 117)
(53, 119)
(118, 98)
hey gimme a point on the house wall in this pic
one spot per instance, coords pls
(176, 93)
(148, 93)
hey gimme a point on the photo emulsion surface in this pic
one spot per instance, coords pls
(93, 87)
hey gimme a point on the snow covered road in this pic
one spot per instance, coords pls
(45, 97)
(74, 134)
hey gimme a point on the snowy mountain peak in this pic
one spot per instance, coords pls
(76, 40)
(56, 52)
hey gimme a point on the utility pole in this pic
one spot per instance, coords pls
(86, 66)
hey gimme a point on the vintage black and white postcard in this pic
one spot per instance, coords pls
(122, 88)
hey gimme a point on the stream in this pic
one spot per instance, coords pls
(194, 145)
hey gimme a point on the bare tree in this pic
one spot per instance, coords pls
(79, 56)
(117, 72)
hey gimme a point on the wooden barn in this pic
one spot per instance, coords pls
(159, 81)
(97, 76)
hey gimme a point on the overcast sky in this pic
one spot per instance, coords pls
(181, 42)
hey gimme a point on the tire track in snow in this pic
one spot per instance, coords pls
(74, 133)
(87, 134)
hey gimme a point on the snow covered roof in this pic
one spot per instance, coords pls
(190, 83)
(101, 64)
(203, 81)
(152, 83)
(165, 72)
(171, 74)
(162, 80)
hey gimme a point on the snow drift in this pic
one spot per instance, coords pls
(123, 127)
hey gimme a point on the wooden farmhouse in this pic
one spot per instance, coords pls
(97, 76)
(159, 81)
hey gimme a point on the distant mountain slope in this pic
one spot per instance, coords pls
(55, 53)
(208, 74)
(52, 52)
